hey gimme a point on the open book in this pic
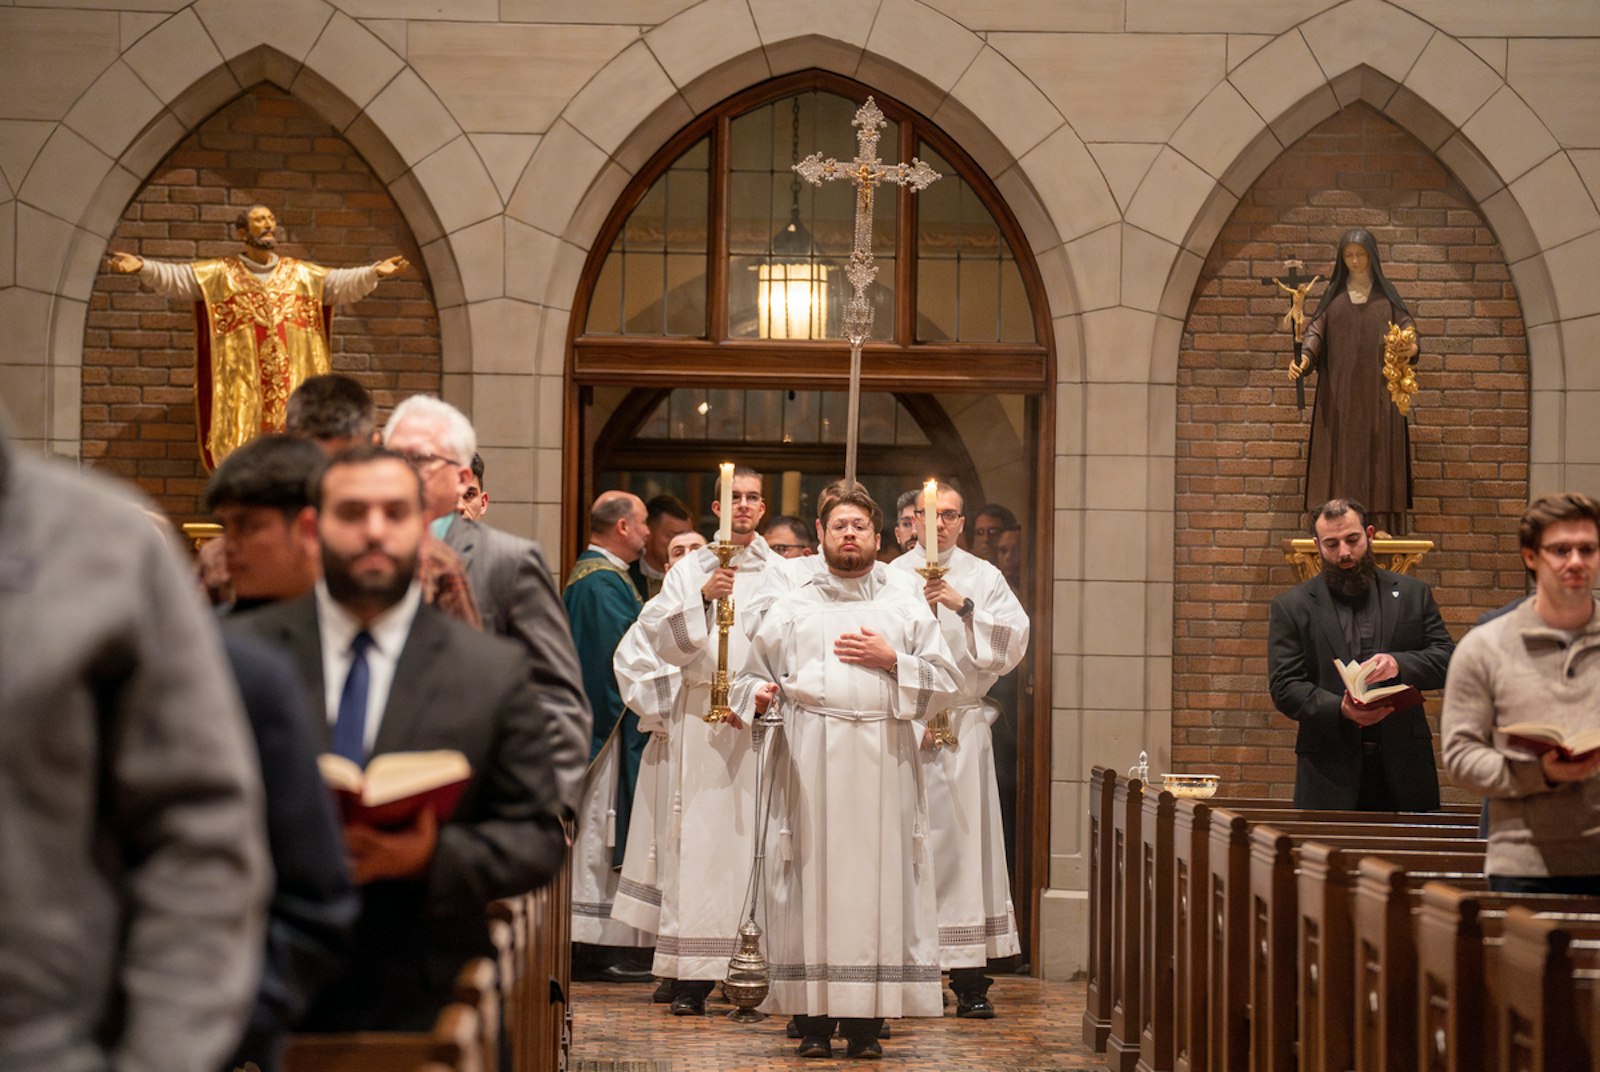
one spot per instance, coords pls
(396, 786)
(1538, 738)
(1355, 677)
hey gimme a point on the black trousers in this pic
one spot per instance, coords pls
(855, 1029)
(1571, 885)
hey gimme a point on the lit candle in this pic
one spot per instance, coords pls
(725, 529)
(930, 520)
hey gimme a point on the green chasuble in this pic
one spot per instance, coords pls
(601, 604)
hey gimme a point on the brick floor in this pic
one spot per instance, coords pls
(1038, 1029)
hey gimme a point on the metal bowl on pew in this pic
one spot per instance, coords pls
(1196, 786)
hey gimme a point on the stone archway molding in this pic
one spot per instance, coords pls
(719, 47)
(1430, 85)
(179, 73)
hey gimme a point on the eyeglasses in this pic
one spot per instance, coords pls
(421, 462)
(949, 517)
(1560, 552)
(989, 530)
(850, 524)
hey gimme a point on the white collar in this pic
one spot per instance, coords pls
(388, 630)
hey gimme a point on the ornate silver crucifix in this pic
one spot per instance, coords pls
(866, 171)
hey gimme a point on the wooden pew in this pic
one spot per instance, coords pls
(1160, 955)
(1325, 943)
(1458, 934)
(1127, 888)
(1231, 954)
(1164, 953)
(508, 934)
(1545, 1005)
(1276, 857)
(454, 1044)
(1097, 1003)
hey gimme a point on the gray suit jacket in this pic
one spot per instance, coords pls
(453, 688)
(135, 871)
(517, 597)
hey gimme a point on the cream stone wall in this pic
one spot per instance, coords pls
(1121, 131)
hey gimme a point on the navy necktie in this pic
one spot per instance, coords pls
(350, 726)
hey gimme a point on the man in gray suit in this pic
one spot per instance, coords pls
(392, 674)
(510, 579)
(135, 877)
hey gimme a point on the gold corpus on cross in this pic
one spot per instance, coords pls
(866, 171)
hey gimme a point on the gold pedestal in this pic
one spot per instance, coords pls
(199, 533)
(1402, 554)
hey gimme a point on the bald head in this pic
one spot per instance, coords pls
(618, 523)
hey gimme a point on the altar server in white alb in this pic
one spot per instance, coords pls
(849, 913)
(705, 867)
(987, 631)
(649, 686)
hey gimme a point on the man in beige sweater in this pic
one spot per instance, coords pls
(1538, 663)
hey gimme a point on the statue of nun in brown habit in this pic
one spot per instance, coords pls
(1360, 448)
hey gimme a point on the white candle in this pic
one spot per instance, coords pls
(725, 529)
(930, 521)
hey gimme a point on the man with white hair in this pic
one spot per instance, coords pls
(508, 577)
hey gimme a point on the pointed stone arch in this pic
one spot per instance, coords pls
(171, 79)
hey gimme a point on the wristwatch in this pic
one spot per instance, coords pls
(966, 608)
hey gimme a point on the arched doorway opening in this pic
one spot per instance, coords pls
(706, 328)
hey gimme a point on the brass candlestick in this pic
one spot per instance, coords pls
(943, 735)
(720, 711)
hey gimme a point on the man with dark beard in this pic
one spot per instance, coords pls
(392, 674)
(1370, 757)
(850, 906)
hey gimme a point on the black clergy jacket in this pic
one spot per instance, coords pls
(1304, 638)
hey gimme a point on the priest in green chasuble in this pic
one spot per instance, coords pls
(602, 604)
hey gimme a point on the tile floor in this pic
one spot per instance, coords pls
(1038, 1029)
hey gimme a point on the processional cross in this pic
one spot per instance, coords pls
(866, 171)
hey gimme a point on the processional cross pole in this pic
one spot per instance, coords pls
(866, 171)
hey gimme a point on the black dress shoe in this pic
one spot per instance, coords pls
(866, 1049)
(663, 994)
(814, 1047)
(615, 973)
(977, 1007)
(688, 1005)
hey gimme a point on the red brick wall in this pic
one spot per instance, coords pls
(1242, 444)
(138, 361)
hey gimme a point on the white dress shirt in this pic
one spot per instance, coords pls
(388, 631)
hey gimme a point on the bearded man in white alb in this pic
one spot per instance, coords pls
(850, 916)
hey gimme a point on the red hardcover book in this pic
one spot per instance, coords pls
(396, 786)
(1538, 739)
(1355, 677)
